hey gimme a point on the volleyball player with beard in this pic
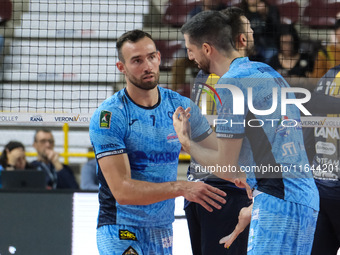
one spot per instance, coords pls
(137, 153)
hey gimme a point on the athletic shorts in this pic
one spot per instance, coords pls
(280, 227)
(128, 240)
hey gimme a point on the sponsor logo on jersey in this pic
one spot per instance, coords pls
(105, 119)
(127, 235)
(289, 149)
(132, 121)
(108, 146)
(172, 138)
(130, 251)
(166, 157)
(325, 148)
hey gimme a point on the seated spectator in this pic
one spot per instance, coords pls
(289, 62)
(89, 180)
(265, 22)
(58, 175)
(13, 158)
(328, 57)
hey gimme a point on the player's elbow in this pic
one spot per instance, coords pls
(123, 200)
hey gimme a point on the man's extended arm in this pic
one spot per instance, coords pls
(117, 173)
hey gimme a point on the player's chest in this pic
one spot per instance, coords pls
(151, 126)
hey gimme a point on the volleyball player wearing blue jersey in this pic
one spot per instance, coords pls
(137, 151)
(286, 203)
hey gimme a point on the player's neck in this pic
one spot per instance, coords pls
(222, 63)
(146, 98)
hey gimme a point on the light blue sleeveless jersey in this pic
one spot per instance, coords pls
(148, 137)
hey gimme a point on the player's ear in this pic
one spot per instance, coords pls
(120, 66)
(206, 47)
(159, 55)
(242, 40)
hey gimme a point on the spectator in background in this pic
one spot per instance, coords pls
(289, 62)
(265, 22)
(328, 57)
(13, 158)
(58, 175)
(89, 180)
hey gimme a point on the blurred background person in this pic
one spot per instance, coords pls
(58, 175)
(88, 176)
(289, 62)
(328, 56)
(13, 158)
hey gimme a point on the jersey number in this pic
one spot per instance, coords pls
(153, 119)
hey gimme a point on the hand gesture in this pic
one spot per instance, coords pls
(53, 157)
(243, 221)
(182, 126)
(205, 195)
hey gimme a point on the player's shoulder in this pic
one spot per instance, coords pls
(172, 97)
(113, 104)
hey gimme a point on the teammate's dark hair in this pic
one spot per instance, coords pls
(237, 27)
(131, 36)
(210, 27)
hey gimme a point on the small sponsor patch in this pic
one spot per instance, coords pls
(105, 119)
(127, 235)
(130, 251)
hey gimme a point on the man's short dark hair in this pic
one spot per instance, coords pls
(237, 26)
(44, 130)
(210, 27)
(130, 36)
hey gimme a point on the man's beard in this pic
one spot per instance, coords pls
(204, 65)
(250, 51)
(139, 83)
